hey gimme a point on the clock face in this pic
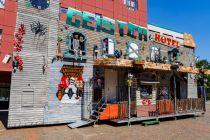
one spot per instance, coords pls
(40, 4)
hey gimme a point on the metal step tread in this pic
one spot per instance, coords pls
(80, 123)
(94, 115)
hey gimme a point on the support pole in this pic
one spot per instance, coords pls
(129, 105)
(130, 76)
(175, 107)
(204, 94)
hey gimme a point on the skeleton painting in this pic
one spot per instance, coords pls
(71, 87)
(76, 46)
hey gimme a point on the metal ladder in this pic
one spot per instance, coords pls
(96, 112)
(98, 108)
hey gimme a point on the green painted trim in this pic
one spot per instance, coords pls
(68, 44)
(151, 122)
(104, 24)
(169, 54)
(158, 47)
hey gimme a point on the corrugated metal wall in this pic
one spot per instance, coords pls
(28, 96)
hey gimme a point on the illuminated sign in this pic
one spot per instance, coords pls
(166, 41)
(100, 23)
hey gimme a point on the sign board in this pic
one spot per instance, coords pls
(166, 40)
(104, 24)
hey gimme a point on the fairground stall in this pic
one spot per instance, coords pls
(79, 62)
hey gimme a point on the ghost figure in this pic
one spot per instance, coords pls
(71, 89)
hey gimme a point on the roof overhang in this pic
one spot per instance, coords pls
(125, 63)
(149, 82)
(112, 62)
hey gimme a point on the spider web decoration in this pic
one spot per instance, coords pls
(40, 4)
(2, 3)
(38, 29)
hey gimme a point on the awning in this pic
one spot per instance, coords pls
(149, 82)
(167, 67)
(125, 63)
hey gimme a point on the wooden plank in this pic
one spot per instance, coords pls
(112, 62)
(167, 67)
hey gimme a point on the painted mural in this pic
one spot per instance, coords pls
(70, 87)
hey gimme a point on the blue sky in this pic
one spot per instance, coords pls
(190, 16)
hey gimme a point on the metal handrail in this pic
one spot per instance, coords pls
(91, 104)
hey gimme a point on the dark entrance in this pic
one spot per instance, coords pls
(5, 81)
(177, 82)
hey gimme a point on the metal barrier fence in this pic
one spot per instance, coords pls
(165, 107)
(190, 105)
(122, 99)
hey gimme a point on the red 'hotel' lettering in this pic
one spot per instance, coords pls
(166, 41)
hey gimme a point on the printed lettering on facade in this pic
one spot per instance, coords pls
(95, 22)
(166, 40)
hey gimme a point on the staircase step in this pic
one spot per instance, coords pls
(80, 123)
(95, 111)
(94, 115)
(101, 109)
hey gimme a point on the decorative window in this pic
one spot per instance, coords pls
(155, 54)
(163, 93)
(76, 42)
(2, 4)
(108, 47)
(146, 92)
(131, 4)
(4, 92)
(173, 55)
(63, 10)
(133, 50)
(0, 36)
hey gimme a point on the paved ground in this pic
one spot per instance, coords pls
(181, 129)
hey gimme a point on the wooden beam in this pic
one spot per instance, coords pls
(167, 67)
(188, 70)
(138, 62)
(112, 62)
(157, 66)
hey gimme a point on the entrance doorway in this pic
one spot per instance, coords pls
(178, 96)
(110, 84)
(5, 81)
